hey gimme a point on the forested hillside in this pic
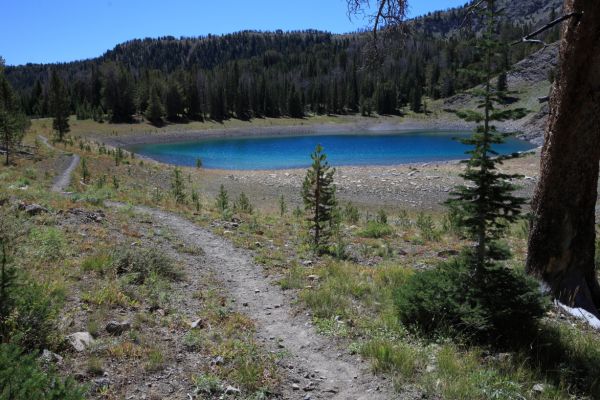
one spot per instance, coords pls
(270, 74)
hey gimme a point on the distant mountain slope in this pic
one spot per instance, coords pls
(254, 74)
(528, 81)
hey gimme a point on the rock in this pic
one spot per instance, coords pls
(199, 323)
(80, 340)
(333, 390)
(232, 390)
(49, 357)
(258, 244)
(117, 328)
(307, 263)
(313, 277)
(87, 216)
(447, 253)
(295, 387)
(218, 360)
(101, 384)
(32, 209)
(538, 388)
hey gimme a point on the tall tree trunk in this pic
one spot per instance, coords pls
(561, 242)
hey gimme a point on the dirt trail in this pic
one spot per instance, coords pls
(63, 180)
(315, 364)
(314, 367)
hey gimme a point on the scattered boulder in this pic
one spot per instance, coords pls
(447, 253)
(49, 357)
(101, 384)
(232, 390)
(32, 209)
(307, 263)
(87, 216)
(80, 340)
(117, 328)
(538, 388)
(218, 360)
(198, 324)
(313, 277)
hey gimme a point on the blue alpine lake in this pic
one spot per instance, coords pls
(281, 152)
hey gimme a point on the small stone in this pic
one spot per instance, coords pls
(80, 340)
(32, 209)
(313, 277)
(331, 390)
(218, 360)
(245, 304)
(307, 263)
(447, 253)
(257, 244)
(256, 290)
(50, 357)
(199, 323)
(101, 384)
(232, 390)
(117, 328)
(295, 387)
(539, 388)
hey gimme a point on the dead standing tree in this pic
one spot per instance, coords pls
(562, 238)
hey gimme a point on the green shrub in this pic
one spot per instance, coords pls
(451, 300)
(139, 264)
(21, 377)
(376, 230)
(32, 321)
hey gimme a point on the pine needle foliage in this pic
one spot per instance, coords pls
(476, 296)
(318, 194)
(487, 205)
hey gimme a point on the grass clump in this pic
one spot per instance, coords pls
(398, 357)
(140, 264)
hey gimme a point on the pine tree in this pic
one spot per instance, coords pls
(174, 102)
(318, 194)
(12, 121)
(295, 108)
(85, 172)
(488, 206)
(222, 201)
(59, 105)
(155, 111)
(282, 206)
(177, 186)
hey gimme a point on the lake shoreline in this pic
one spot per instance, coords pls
(365, 128)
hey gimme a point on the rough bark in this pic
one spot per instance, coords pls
(561, 242)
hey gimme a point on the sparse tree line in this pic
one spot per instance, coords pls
(253, 75)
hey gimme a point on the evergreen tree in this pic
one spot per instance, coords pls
(295, 108)
(59, 104)
(222, 201)
(174, 106)
(194, 103)
(12, 121)
(177, 186)
(155, 111)
(318, 194)
(488, 206)
(282, 206)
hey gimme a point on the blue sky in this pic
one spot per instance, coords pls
(67, 30)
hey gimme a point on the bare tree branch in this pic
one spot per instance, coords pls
(528, 38)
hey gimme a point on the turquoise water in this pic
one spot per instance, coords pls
(280, 152)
